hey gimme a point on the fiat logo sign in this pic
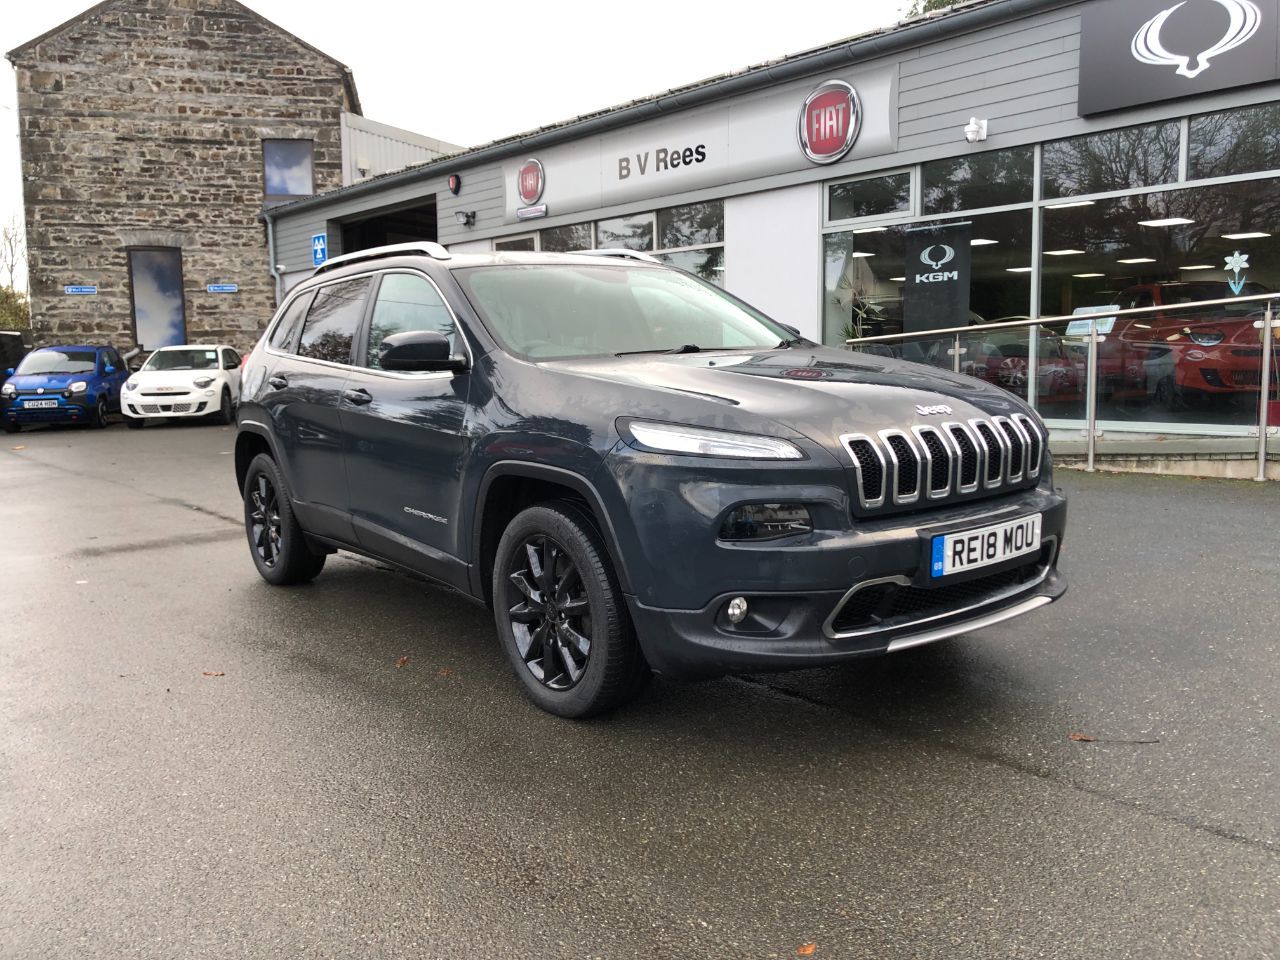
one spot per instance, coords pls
(830, 121)
(530, 182)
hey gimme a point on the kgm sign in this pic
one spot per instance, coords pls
(937, 256)
(830, 121)
(530, 182)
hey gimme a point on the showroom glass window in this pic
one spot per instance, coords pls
(159, 307)
(1143, 156)
(996, 178)
(1235, 142)
(332, 321)
(575, 236)
(287, 169)
(869, 197)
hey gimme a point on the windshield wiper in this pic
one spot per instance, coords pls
(793, 342)
(685, 348)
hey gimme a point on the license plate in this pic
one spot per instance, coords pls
(39, 403)
(971, 549)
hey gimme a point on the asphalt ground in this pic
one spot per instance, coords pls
(313, 798)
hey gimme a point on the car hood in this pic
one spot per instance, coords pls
(50, 381)
(819, 392)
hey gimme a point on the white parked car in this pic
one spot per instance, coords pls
(186, 381)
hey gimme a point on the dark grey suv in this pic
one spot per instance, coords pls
(634, 469)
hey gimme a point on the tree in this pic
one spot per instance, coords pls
(15, 305)
(921, 7)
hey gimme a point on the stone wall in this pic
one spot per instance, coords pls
(142, 125)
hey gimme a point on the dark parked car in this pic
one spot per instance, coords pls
(74, 384)
(14, 345)
(635, 469)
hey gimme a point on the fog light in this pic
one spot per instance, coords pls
(737, 609)
(766, 521)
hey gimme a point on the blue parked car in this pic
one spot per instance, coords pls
(79, 384)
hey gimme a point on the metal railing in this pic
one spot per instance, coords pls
(1266, 326)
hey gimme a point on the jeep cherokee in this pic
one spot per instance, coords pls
(634, 469)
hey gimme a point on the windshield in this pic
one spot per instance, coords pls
(182, 360)
(568, 310)
(58, 361)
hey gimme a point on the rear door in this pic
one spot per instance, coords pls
(405, 436)
(301, 394)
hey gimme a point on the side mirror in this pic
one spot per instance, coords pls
(418, 351)
(9, 372)
(109, 369)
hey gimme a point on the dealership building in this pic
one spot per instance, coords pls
(1002, 159)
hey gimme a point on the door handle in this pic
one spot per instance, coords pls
(278, 382)
(359, 396)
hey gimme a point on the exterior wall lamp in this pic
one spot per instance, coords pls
(975, 131)
(465, 218)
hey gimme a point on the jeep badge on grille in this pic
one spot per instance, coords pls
(940, 410)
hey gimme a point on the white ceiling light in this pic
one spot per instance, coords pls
(872, 230)
(982, 243)
(1062, 253)
(897, 279)
(1199, 266)
(861, 254)
(1069, 203)
(1166, 222)
(1255, 235)
(1088, 276)
(1017, 270)
(1137, 260)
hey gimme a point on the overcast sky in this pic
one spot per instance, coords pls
(470, 72)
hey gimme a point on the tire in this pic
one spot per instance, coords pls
(99, 419)
(544, 640)
(11, 427)
(226, 414)
(276, 541)
(134, 423)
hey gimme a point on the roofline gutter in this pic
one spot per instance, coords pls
(934, 28)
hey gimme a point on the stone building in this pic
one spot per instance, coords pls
(152, 134)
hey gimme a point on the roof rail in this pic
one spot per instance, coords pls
(433, 250)
(620, 254)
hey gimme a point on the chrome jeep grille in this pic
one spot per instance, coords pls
(902, 467)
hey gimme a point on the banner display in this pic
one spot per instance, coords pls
(938, 271)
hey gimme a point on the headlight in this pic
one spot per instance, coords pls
(80, 386)
(202, 382)
(8, 390)
(712, 443)
(1206, 338)
(131, 385)
(766, 521)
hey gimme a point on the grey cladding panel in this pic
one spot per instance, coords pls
(997, 101)
(482, 193)
(950, 133)
(991, 79)
(1002, 43)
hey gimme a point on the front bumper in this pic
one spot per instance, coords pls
(197, 403)
(76, 409)
(888, 601)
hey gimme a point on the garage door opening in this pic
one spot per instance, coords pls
(401, 225)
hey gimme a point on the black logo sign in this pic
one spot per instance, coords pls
(936, 293)
(1145, 51)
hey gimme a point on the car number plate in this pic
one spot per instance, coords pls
(40, 403)
(970, 549)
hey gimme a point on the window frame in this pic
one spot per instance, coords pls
(133, 305)
(286, 197)
(534, 236)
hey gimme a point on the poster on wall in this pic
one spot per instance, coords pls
(936, 292)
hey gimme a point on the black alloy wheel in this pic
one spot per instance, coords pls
(276, 541)
(561, 615)
(226, 413)
(99, 419)
(264, 521)
(551, 615)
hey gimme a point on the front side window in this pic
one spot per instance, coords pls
(159, 309)
(542, 311)
(332, 321)
(287, 169)
(58, 360)
(406, 302)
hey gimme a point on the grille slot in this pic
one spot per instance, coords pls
(906, 466)
(897, 468)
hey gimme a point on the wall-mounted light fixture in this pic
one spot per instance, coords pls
(465, 218)
(975, 131)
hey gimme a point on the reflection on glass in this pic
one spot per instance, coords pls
(159, 313)
(707, 264)
(864, 276)
(332, 321)
(287, 168)
(405, 303)
(1236, 141)
(1114, 160)
(515, 244)
(991, 179)
(626, 233)
(872, 197)
(575, 236)
(691, 225)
